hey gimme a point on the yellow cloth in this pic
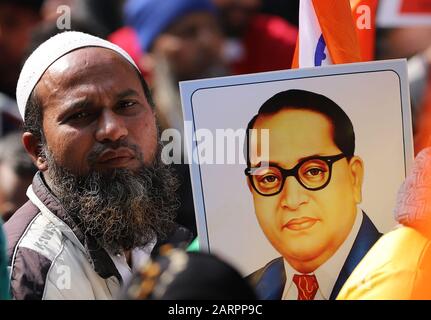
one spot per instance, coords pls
(397, 267)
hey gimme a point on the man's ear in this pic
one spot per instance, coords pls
(32, 146)
(356, 166)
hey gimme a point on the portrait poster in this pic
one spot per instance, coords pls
(397, 13)
(374, 96)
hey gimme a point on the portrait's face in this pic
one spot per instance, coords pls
(92, 99)
(306, 226)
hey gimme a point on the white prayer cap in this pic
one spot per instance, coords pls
(50, 51)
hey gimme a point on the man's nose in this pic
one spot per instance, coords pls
(293, 195)
(111, 127)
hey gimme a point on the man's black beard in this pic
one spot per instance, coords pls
(122, 209)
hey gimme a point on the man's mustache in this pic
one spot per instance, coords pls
(98, 149)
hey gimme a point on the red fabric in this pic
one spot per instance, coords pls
(307, 286)
(416, 7)
(127, 39)
(269, 45)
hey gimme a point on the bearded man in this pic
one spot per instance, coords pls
(102, 198)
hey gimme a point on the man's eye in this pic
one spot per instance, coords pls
(127, 104)
(79, 116)
(314, 172)
(269, 179)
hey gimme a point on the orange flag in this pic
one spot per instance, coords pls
(329, 34)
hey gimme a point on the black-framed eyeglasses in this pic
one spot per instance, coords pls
(312, 173)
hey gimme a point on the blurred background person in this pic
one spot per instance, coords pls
(16, 173)
(9, 115)
(17, 20)
(256, 42)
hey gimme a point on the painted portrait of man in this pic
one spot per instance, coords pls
(318, 157)
(307, 197)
